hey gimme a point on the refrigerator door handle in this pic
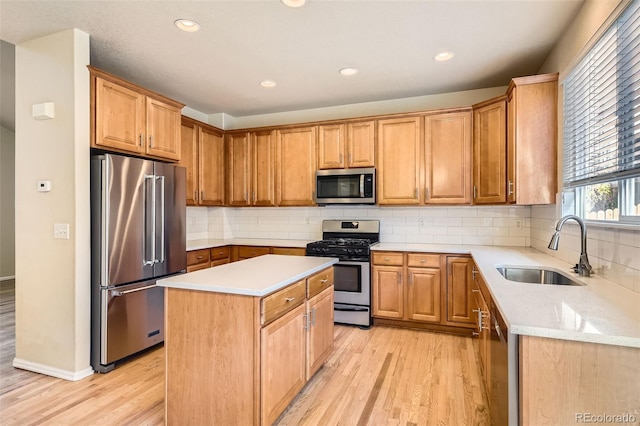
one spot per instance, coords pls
(152, 259)
(122, 293)
(162, 230)
(104, 226)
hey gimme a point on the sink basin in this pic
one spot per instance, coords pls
(536, 276)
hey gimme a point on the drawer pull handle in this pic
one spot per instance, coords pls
(475, 290)
(200, 257)
(290, 299)
(386, 259)
(324, 281)
(423, 260)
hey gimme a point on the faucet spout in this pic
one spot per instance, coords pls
(583, 268)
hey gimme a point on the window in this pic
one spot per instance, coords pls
(602, 125)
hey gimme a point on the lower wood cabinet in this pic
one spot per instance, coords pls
(482, 301)
(409, 289)
(206, 258)
(236, 359)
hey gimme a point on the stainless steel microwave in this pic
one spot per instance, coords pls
(346, 186)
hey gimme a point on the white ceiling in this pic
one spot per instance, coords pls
(218, 69)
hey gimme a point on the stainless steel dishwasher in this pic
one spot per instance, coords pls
(504, 372)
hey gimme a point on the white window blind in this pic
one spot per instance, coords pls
(602, 107)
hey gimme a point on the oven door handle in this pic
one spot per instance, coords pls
(354, 309)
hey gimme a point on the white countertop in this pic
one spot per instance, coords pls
(265, 242)
(599, 312)
(257, 276)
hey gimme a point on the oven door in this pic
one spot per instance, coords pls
(352, 284)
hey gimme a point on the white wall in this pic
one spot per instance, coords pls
(613, 252)
(53, 275)
(498, 225)
(7, 203)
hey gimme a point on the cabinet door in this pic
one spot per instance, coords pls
(283, 366)
(532, 140)
(489, 153)
(423, 294)
(189, 160)
(211, 167)
(361, 137)
(460, 301)
(331, 146)
(120, 117)
(448, 158)
(320, 333)
(263, 146)
(485, 345)
(295, 166)
(163, 130)
(399, 160)
(388, 293)
(238, 163)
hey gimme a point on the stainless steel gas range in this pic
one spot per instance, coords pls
(350, 242)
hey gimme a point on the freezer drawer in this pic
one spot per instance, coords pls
(132, 320)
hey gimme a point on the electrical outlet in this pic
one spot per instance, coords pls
(518, 224)
(421, 222)
(306, 221)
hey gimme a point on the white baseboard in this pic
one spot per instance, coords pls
(10, 277)
(72, 376)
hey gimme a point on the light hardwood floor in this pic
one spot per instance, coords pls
(381, 376)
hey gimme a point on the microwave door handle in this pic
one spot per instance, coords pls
(362, 185)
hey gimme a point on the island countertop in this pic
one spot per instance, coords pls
(258, 276)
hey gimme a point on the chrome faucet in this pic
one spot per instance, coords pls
(583, 268)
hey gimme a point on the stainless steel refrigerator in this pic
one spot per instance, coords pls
(138, 233)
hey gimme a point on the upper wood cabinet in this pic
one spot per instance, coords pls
(295, 166)
(490, 151)
(532, 135)
(202, 155)
(399, 141)
(346, 145)
(447, 148)
(251, 168)
(130, 119)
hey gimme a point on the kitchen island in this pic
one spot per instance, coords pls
(242, 339)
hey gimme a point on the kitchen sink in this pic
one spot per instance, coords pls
(536, 276)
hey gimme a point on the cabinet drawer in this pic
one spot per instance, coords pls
(196, 257)
(291, 251)
(245, 252)
(421, 260)
(388, 258)
(277, 304)
(197, 267)
(318, 282)
(219, 253)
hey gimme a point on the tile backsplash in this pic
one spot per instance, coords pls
(613, 253)
(496, 225)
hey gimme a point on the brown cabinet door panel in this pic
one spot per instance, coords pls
(189, 160)
(361, 148)
(320, 333)
(423, 294)
(211, 168)
(448, 158)
(331, 146)
(295, 166)
(238, 169)
(163, 130)
(490, 153)
(460, 299)
(263, 186)
(388, 292)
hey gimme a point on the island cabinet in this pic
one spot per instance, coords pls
(490, 151)
(296, 154)
(410, 290)
(241, 359)
(346, 145)
(202, 154)
(532, 105)
(251, 168)
(131, 119)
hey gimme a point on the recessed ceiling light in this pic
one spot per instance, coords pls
(348, 71)
(268, 83)
(187, 25)
(293, 3)
(444, 56)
